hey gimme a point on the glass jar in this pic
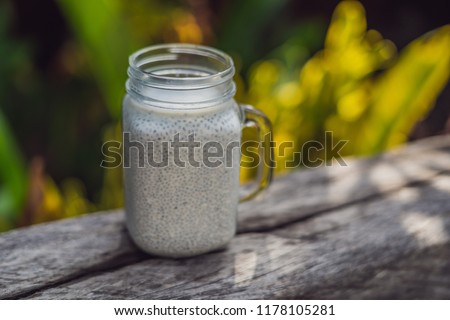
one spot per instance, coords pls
(181, 140)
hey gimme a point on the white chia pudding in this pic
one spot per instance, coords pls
(181, 211)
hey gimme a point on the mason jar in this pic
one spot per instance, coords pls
(182, 134)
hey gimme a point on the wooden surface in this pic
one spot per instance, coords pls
(378, 228)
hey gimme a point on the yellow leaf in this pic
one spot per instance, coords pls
(408, 90)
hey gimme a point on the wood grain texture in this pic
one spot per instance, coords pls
(396, 246)
(305, 232)
(306, 193)
(42, 255)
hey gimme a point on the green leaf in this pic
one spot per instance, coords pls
(13, 178)
(101, 29)
(408, 90)
(242, 32)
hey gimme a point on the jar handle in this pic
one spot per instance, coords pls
(255, 118)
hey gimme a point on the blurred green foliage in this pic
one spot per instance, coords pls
(99, 27)
(242, 38)
(13, 178)
(357, 86)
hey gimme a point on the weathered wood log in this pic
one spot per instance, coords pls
(347, 253)
(363, 230)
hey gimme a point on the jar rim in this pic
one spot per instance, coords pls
(151, 66)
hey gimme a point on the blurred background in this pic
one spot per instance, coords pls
(374, 72)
